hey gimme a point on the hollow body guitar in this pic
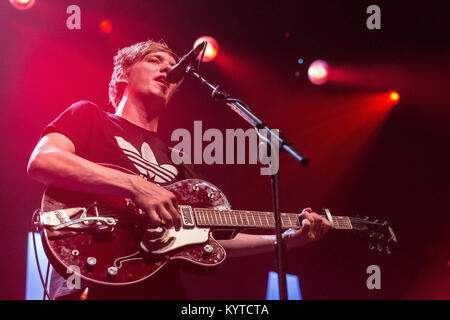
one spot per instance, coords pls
(105, 240)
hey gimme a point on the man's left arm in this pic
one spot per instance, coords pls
(314, 227)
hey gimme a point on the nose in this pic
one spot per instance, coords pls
(165, 67)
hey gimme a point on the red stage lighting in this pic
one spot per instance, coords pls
(22, 4)
(106, 26)
(393, 96)
(318, 72)
(212, 48)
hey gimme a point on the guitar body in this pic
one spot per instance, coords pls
(92, 254)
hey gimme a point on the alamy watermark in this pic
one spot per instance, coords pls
(73, 22)
(374, 20)
(234, 140)
(74, 280)
(374, 280)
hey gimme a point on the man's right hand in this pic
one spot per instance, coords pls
(54, 162)
(159, 204)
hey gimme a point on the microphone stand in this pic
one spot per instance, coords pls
(281, 142)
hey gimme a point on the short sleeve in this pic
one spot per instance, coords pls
(76, 123)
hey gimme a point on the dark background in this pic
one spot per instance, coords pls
(367, 159)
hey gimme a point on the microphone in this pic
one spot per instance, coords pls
(176, 73)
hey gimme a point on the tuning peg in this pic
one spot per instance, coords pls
(366, 218)
(388, 250)
(372, 235)
(390, 240)
(381, 237)
(375, 221)
(380, 249)
(371, 246)
(385, 224)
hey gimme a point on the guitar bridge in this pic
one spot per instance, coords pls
(187, 216)
(60, 219)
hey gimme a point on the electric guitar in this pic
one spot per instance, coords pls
(106, 239)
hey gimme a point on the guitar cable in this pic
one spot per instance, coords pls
(34, 228)
(46, 279)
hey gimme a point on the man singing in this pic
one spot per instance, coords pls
(84, 135)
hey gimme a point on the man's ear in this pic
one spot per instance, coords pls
(122, 79)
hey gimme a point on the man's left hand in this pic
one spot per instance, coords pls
(314, 227)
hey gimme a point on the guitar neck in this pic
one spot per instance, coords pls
(257, 219)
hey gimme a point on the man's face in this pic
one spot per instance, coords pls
(147, 79)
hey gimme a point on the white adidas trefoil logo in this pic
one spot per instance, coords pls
(146, 162)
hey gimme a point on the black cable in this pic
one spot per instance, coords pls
(36, 254)
(46, 278)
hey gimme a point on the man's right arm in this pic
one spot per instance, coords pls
(54, 163)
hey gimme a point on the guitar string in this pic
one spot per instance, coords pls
(257, 214)
(286, 220)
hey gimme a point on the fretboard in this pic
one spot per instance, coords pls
(256, 219)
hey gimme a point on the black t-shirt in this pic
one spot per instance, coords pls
(106, 138)
(103, 137)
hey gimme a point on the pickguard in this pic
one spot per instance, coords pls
(184, 237)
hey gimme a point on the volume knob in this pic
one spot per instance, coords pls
(112, 272)
(207, 250)
(90, 263)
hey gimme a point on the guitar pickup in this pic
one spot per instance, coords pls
(187, 216)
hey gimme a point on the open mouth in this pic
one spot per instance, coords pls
(163, 81)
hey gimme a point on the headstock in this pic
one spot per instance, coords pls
(379, 235)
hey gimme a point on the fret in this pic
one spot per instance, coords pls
(229, 219)
(240, 222)
(272, 220)
(341, 222)
(247, 222)
(225, 220)
(210, 217)
(253, 218)
(235, 218)
(215, 219)
(225, 215)
(259, 218)
(199, 217)
(267, 220)
(205, 217)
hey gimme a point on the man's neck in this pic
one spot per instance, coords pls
(137, 113)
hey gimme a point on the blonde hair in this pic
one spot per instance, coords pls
(128, 56)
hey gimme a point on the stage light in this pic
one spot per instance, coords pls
(22, 4)
(106, 26)
(212, 48)
(318, 72)
(393, 96)
(300, 61)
